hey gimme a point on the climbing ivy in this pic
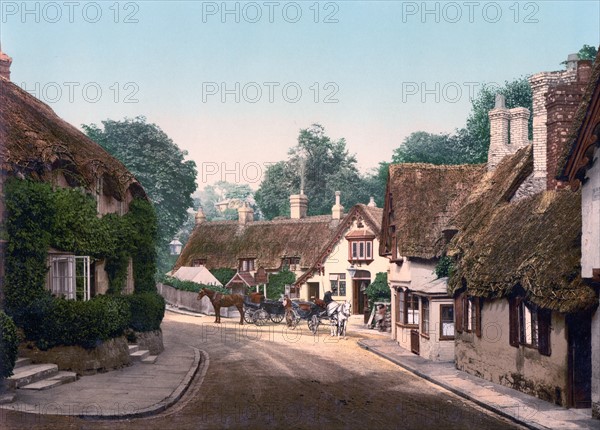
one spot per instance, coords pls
(40, 218)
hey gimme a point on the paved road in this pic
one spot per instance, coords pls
(274, 378)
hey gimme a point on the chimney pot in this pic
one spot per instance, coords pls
(5, 62)
(337, 211)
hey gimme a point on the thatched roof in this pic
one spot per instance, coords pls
(425, 197)
(37, 143)
(533, 243)
(572, 163)
(222, 243)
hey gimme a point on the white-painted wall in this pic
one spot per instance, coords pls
(590, 211)
(337, 262)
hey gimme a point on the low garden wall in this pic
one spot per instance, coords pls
(188, 300)
(109, 355)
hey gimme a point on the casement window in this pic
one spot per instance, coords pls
(529, 325)
(425, 316)
(197, 262)
(338, 284)
(468, 314)
(69, 276)
(446, 322)
(290, 263)
(246, 264)
(408, 308)
(360, 250)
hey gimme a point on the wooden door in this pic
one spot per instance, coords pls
(414, 341)
(580, 360)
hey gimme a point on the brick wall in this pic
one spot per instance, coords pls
(562, 101)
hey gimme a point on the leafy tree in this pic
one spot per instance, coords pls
(378, 290)
(158, 164)
(588, 52)
(326, 167)
(517, 93)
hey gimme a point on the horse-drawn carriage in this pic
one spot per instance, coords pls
(316, 313)
(262, 311)
(255, 309)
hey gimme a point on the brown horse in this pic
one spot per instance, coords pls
(219, 300)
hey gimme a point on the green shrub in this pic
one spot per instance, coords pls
(223, 274)
(194, 287)
(9, 343)
(379, 290)
(53, 321)
(147, 311)
(444, 267)
(277, 283)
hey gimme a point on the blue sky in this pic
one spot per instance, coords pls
(386, 68)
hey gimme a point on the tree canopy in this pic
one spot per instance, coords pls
(325, 165)
(158, 164)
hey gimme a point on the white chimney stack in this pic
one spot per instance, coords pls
(337, 211)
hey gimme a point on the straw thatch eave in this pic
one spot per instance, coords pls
(36, 143)
(223, 243)
(533, 244)
(425, 198)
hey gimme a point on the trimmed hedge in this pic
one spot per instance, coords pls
(50, 321)
(53, 321)
(9, 343)
(146, 311)
(191, 286)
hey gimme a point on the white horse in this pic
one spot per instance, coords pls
(338, 314)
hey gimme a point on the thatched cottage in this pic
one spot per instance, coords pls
(39, 145)
(579, 167)
(421, 199)
(522, 309)
(323, 251)
(349, 261)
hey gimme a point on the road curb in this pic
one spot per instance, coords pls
(199, 365)
(450, 388)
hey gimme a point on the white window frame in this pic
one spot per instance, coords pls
(64, 274)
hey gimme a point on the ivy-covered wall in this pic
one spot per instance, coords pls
(39, 218)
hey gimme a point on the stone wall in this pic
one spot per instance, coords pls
(188, 301)
(151, 341)
(110, 355)
(523, 368)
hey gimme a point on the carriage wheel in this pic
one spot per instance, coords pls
(260, 317)
(276, 318)
(313, 324)
(295, 319)
(248, 315)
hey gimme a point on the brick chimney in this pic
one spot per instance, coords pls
(562, 101)
(200, 217)
(540, 85)
(337, 210)
(5, 62)
(298, 205)
(245, 214)
(499, 120)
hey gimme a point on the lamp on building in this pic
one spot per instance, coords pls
(351, 271)
(175, 247)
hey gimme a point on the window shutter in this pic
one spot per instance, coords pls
(544, 323)
(513, 321)
(405, 292)
(477, 304)
(458, 313)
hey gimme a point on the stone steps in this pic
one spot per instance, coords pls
(139, 355)
(30, 373)
(60, 378)
(151, 359)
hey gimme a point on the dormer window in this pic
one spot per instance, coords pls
(246, 265)
(197, 262)
(290, 263)
(360, 246)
